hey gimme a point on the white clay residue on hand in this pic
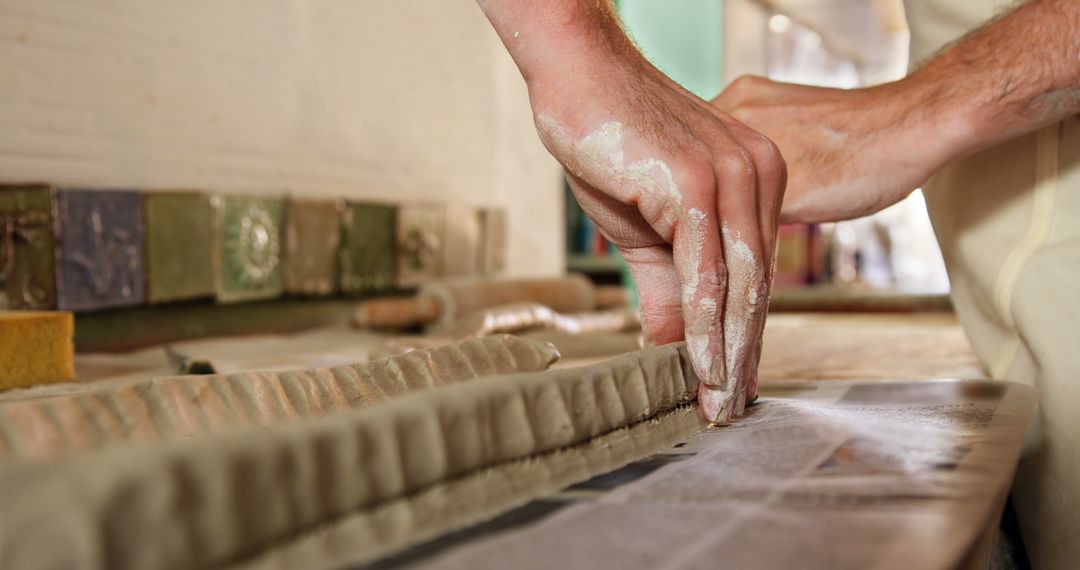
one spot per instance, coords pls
(697, 334)
(599, 158)
(743, 304)
(600, 154)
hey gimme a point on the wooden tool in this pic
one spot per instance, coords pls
(442, 302)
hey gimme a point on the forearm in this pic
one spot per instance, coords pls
(548, 38)
(1011, 77)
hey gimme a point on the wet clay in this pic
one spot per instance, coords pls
(150, 410)
(206, 501)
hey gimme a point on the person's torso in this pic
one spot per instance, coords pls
(1008, 222)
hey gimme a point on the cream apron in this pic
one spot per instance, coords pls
(1008, 221)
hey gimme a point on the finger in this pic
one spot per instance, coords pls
(759, 90)
(771, 178)
(744, 315)
(744, 256)
(744, 88)
(699, 263)
(653, 269)
(648, 256)
(771, 173)
(752, 386)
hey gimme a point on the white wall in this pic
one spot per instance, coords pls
(379, 99)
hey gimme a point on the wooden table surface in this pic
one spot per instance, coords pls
(798, 346)
(824, 346)
(866, 346)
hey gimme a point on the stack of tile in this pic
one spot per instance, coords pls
(87, 249)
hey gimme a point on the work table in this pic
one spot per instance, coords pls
(833, 465)
(798, 346)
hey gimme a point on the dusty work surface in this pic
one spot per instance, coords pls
(858, 471)
(894, 475)
(797, 347)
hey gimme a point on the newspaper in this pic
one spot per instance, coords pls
(822, 475)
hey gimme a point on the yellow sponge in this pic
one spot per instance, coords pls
(35, 348)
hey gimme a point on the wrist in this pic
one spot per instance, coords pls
(559, 39)
(958, 118)
(937, 124)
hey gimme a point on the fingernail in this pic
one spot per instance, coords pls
(715, 404)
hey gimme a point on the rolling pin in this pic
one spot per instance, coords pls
(440, 303)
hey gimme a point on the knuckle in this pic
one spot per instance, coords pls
(700, 175)
(757, 296)
(737, 167)
(744, 83)
(744, 113)
(770, 163)
(700, 182)
(721, 277)
(767, 154)
(741, 88)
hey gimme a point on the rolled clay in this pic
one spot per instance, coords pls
(440, 303)
(524, 316)
(205, 501)
(143, 411)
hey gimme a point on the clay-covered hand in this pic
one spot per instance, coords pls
(688, 195)
(849, 152)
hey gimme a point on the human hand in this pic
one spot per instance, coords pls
(849, 152)
(688, 195)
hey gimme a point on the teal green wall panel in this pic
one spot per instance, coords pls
(684, 38)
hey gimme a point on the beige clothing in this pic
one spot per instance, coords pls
(1008, 221)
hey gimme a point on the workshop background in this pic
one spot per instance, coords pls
(326, 100)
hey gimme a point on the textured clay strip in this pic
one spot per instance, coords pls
(210, 500)
(153, 409)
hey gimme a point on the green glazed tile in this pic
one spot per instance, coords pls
(312, 239)
(369, 234)
(27, 248)
(247, 256)
(179, 243)
(421, 241)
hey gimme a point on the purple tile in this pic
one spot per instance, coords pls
(99, 259)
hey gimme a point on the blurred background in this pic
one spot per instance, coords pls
(404, 122)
